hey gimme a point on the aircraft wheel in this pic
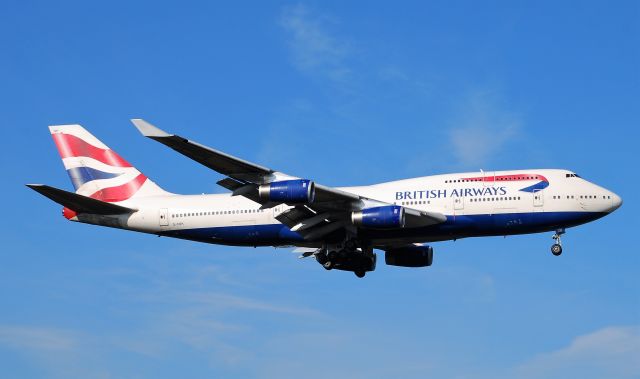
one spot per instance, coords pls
(328, 265)
(360, 273)
(556, 249)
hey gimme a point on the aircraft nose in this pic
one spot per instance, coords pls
(616, 202)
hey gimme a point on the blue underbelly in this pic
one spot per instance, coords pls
(454, 227)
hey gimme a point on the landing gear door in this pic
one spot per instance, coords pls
(538, 200)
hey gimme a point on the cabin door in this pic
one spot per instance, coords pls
(458, 204)
(164, 217)
(538, 200)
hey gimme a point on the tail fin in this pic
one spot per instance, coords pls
(97, 171)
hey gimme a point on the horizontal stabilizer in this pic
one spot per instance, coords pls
(79, 203)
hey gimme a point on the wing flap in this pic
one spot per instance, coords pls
(293, 216)
(230, 184)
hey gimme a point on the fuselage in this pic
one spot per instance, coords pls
(474, 203)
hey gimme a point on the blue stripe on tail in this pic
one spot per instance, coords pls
(82, 175)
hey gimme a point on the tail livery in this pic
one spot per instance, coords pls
(95, 170)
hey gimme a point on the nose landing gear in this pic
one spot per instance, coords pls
(556, 248)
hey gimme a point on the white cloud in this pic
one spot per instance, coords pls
(224, 301)
(60, 353)
(611, 352)
(36, 338)
(480, 129)
(313, 48)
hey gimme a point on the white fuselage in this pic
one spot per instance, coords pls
(476, 204)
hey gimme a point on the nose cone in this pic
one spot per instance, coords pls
(616, 202)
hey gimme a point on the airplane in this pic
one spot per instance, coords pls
(339, 227)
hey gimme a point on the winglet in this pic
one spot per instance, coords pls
(147, 129)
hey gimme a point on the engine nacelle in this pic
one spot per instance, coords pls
(385, 217)
(411, 256)
(299, 191)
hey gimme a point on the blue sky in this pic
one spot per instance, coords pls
(344, 93)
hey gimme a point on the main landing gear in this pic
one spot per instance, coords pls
(350, 256)
(556, 248)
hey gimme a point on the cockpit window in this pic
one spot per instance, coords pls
(572, 175)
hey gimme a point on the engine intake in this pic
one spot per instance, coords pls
(411, 256)
(386, 217)
(299, 191)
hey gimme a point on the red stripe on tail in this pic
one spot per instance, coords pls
(121, 192)
(72, 146)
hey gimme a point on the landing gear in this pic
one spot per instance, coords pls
(352, 255)
(556, 248)
(329, 260)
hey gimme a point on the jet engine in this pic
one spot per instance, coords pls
(299, 191)
(410, 256)
(385, 217)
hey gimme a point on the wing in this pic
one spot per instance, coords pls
(330, 210)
